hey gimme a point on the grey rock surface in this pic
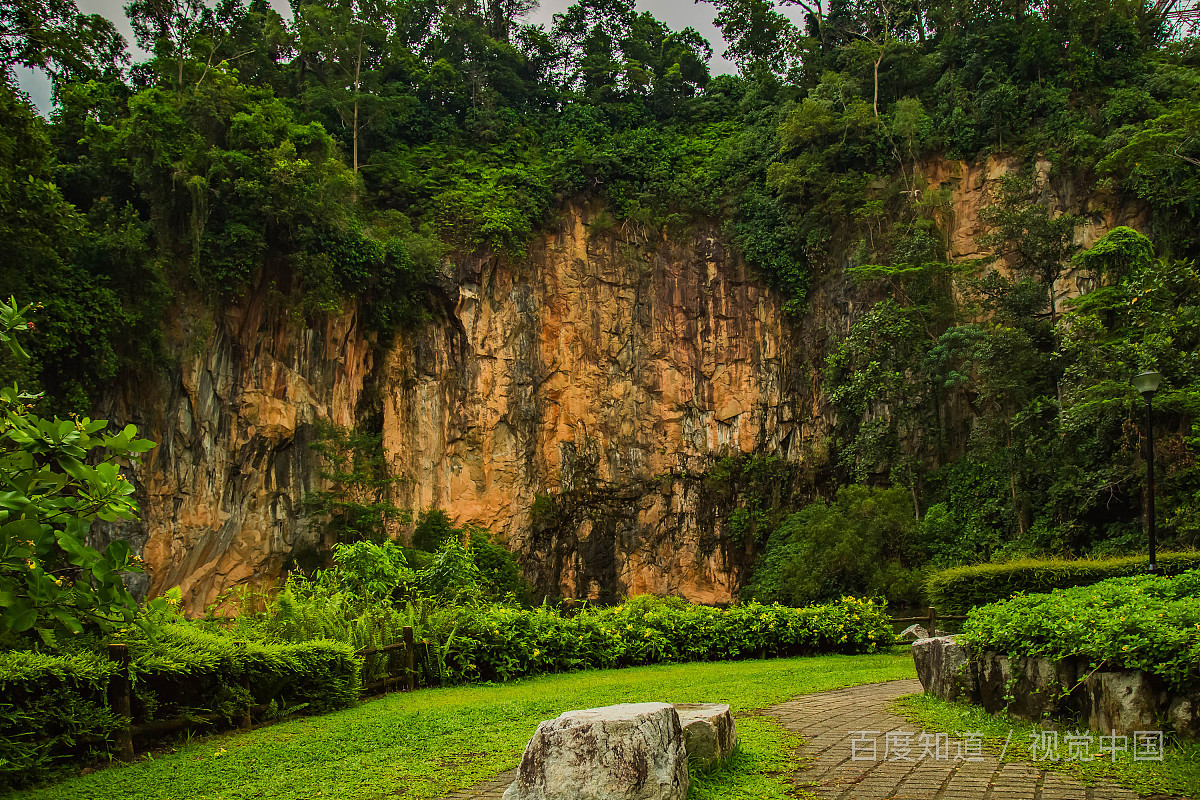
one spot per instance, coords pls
(1030, 687)
(633, 751)
(1184, 715)
(944, 668)
(1125, 701)
(709, 732)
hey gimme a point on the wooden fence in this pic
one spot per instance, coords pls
(931, 620)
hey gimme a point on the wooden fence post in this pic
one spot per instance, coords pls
(119, 689)
(410, 658)
(932, 621)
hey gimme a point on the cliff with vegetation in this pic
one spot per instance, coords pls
(594, 404)
(651, 328)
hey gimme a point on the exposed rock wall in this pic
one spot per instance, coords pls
(603, 366)
(607, 368)
(221, 496)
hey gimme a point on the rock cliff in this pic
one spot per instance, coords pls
(608, 370)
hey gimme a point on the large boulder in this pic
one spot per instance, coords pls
(633, 751)
(709, 733)
(1184, 715)
(1125, 701)
(944, 668)
(1030, 687)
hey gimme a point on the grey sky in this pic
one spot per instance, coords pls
(676, 14)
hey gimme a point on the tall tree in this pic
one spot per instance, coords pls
(169, 28)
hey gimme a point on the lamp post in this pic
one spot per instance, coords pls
(1147, 383)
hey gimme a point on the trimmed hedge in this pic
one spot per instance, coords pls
(188, 669)
(500, 642)
(958, 590)
(50, 705)
(1147, 623)
(54, 708)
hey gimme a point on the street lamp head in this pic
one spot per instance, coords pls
(1147, 382)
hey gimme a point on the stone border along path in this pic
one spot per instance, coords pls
(827, 721)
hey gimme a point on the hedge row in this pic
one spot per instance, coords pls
(1147, 623)
(958, 590)
(499, 642)
(55, 707)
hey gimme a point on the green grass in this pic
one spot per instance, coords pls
(427, 743)
(1177, 774)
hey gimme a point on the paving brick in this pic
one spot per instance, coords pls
(818, 718)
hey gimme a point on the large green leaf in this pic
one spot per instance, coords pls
(20, 617)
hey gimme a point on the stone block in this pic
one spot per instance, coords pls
(709, 732)
(633, 751)
(944, 668)
(1124, 701)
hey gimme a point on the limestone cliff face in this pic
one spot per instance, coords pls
(607, 369)
(599, 369)
(221, 496)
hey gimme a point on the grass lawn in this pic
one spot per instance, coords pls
(426, 743)
(1177, 774)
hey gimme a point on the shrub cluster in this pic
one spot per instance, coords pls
(960, 589)
(1146, 622)
(866, 542)
(54, 707)
(51, 706)
(502, 642)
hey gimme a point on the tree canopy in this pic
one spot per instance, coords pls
(345, 152)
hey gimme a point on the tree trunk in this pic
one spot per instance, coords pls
(1012, 474)
(877, 63)
(357, 83)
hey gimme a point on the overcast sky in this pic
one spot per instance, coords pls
(676, 14)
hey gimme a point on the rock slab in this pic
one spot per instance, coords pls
(944, 668)
(709, 732)
(1035, 688)
(633, 751)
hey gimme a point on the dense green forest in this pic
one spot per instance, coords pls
(347, 152)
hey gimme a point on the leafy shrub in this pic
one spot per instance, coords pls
(372, 571)
(434, 529)
(962, 588)
(452, 575)
(56, 478)
(863, 543)
(51, 707)
(55, 706)
(186, 668)
(502, 642)
(1146, 622)
(498, 568)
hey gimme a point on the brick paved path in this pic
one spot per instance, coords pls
(826, 721)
